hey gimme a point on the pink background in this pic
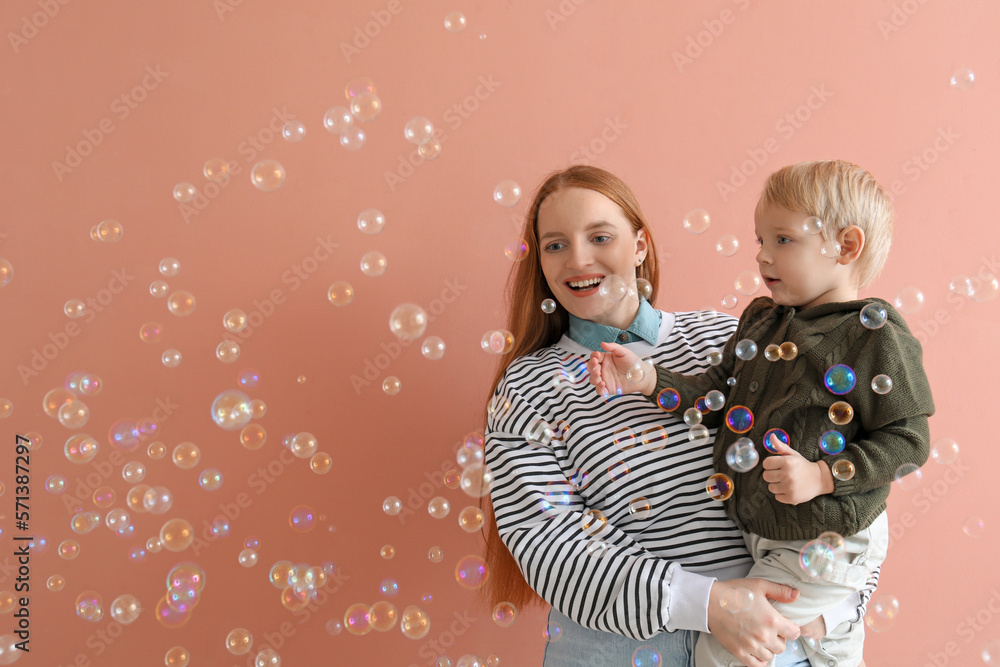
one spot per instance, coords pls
(676, 98)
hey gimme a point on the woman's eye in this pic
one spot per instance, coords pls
(602, 238)
(554, 247)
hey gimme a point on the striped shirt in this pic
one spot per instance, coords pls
(603, 503)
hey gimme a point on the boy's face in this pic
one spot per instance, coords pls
(792, 264)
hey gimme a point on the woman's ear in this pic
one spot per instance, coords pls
(641, 246)
(852, 243)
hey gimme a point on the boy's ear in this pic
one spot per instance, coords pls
(852, 242)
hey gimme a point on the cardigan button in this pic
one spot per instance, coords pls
(754, 385)
(623, 337)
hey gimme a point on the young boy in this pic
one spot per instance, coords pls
(819, 352)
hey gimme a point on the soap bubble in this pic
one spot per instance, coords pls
(727, 245)
(90, 606)
(909, 476)
(231, 410)
(882, 384)
(371, 221)
(909, 300)
(644, 288)
(739, 419)
(159, 288)
(216, 170)
(253, 436)
(697, 221)
(210, 479)
(228, 351)
(302, 518)
(986, 289)
(293, 131)
(176, 657)
(176, 535)
(832, 442)
(74, 414)
(408, 321)
(181, 303)
(267, 657)
(183, 193)
(944, 451)
(719, 486)
(6, 272)
(430, 149)
(337, 120)
(881, 615)
(841, 413)
(504, 614)
(817, 559)
(874, 316)
(391, 385)
(392, 505)
(471, 572)
(973, 526)
(507, 193)
(267, 175)
(646, 656)
(353, 138)
(321, 463)
(962, 79)
(125, 609)
(234, 320)
(74, 309)
(383, 615)
(778, 433)
(746, 349)
(373, 264)
(715, 400)
(454, 22)
(788, 350)
(470, 519)
(438, 507)
(812, 225)
(186, 455)
(169, 266)
(742, 456)
(840, 379)
(418, 130)
(366, 106)
(747, 283)
(830, 249)
(239, 641)
(432, 348)
(842, 470)
(414, 622)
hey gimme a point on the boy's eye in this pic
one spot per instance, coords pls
(760, 241)
(783, 240)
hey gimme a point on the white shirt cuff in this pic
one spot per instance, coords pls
(687, 600)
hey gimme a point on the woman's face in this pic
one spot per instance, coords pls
(585, 240)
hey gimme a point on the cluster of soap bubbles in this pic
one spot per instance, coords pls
(299, 583)
(980, 288)
(107, 231)
(819, 557)
(364, 105)
(185, 583)
(497, 341)
(420, 132)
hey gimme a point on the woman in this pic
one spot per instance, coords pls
(602, 502)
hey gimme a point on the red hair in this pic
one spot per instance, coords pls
(534, 330)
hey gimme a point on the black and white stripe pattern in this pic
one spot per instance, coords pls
(614, 576)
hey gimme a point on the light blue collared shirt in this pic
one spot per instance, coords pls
(645, 326)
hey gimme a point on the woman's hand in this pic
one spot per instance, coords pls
(751, 629)
(618, 371)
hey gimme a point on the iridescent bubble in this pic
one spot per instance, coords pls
(882, 384)
(125, 609)
(476, 481)
(944, 451)
(909, 300)
(169, 266)
(812, 225)
(454, 22)
(337, 120)
(646, 656)
(321, 463)
(697, 221)
(84, 522)
(516, 250)
(507, 193)
(962, 79)
(55, 583)
(247, 558)
(788, 350)
(392, 505)
(739, 419)
(68, 549)
(373, 264)
(973, 526)
(742, 456)
(552, 632)
(655, 438)
(414, 622)
(504, 614)
(176, 657)
(746, 349)
(134, 472)
(371, 221)
(430, 149)
(778, 433)
(267, 657)
(293, 131)
(158, 500)
(302, 518)
(471, 572)
(210, 479)
(6, 272)
(719, 486)
(267, 175)
(159, 288)
(418, 130)
(882, 613)
(90, 606)
(841, 413)
(253, 436)
(366, 106)
(231, 410)
(74, 309)
(103, 497)
(497, 341)
(840, 379)
(392, 385)
(333, 627)
(727, 245)
(832, 442)
(383, 615)
(438, 507)
(181, 303)
(353, 138)
(842, 470)
(184, 193)
(176, 535)
(874, 316)
(432, 348)
(228, 351)
(186, 455)
(239, 641)
(692, 416)
(74, 414)
(644, 288)
(234, 320)
(817, 559)
(714, 357)
(408, 321)
(668, 399)
(80, 448)
(357, 619)
(53, 484)
(747, 283)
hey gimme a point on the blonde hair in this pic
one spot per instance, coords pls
(840, 194)
(534, 330)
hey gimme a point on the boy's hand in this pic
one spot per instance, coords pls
(792, 478)
(618, 371)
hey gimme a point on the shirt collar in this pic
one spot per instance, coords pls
(645, 326)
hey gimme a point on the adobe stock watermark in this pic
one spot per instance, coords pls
(786, 126)
(590, 151)
(925, 500)
(32, 23)
(121, 108)
(434, 648)
(223, 7)
(364, 35)
(899, 16)
(59, 340)
(918, 164)
(562, 12)
(454, 116)
(967, 630)
(248, 149)
(294, 277)
(417, 496)
(697, 44)
(928, 327)
(372, 368)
